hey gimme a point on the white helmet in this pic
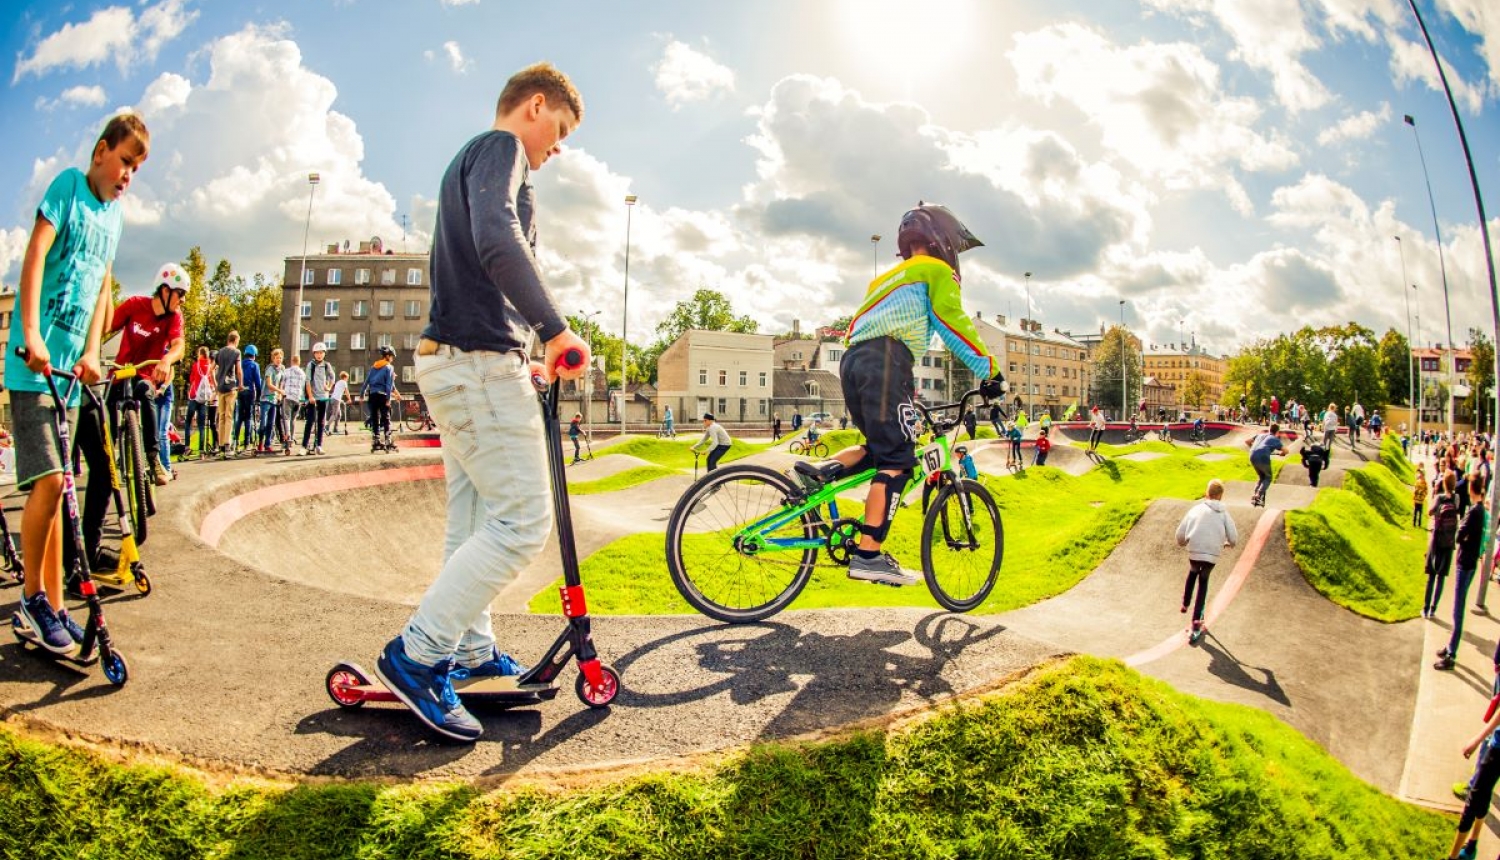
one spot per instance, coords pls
(173, 277)
(319, 347)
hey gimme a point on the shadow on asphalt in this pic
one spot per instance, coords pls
(1227, 668)
(41, 668)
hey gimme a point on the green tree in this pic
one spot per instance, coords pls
(707, 309)
(1353, 366)
(1481, 378)
(1395, 366)
(1195, 390)
(1107, 368)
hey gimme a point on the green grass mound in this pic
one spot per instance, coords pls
(674, 454)
(1382, 491)
(1085, 759)
(621, 480)
(1354, 555)
(1058, 528)
(1396, 460)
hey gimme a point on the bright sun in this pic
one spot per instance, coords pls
(908, 45)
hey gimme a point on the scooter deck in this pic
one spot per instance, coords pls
(26, 636)
(351, 686)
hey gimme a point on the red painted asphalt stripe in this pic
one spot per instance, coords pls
(1221, 601)
(228, 513)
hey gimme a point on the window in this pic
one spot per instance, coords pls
(834, 355)
(796, 356)
(813, 390)
(331, 340)
(744, 378)
(762, 408)
(703, 376)
(410, 339)
(361, 309)
(723, 377)
(361, 276)
(762, 379)
(414, 277)
(926, 361)
(330, 309)
(356, 374)
(304, 343)
(1012, 367)
(383, 340)
(388, 277)
(335, 277)
(306, 310)
(926, 383)
(358, 340)
(387, 308)
(413, 308)
(937, 361)
(408, 374)
(307, 276)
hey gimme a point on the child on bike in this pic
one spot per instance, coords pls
(488, 303)
(903, 308)
(377, 390)
(150, 328)
(62, 307)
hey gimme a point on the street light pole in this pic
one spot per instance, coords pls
(625, 317)
(294, 348)
(1124, 387)
(1411, 355)
(1442, 266)
(1030, 407)
(875, 252)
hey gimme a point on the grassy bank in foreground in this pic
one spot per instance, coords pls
(1356, 545)
(1058, 528)
(1085, 759)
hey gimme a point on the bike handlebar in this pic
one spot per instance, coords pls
(962, 405)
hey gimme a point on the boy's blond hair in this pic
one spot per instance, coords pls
(1215, 489)
(121, 126)
(541, 78)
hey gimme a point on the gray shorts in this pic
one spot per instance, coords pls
(38, 453)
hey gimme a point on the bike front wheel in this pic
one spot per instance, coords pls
(730, 573)
(819, 449)
(963, 542)
(134, 476)
(413, 419)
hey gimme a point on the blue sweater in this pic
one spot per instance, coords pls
(251, 373)
(381, 380)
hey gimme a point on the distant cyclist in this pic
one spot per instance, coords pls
(902, 309)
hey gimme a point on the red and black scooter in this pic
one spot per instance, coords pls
(597, 685)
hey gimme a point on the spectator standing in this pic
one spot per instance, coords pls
(270, 400)
(971, 424)
(249, 395)
(294, 393)
(796, 420)
(1205, 530)
(1470, 543)
(1043, 446)
(1418, 496)
(227, 381)
(776, 428)
(715, 439)
(338, 401)
(1330, 426)
(1314, 460)
(200, 393)
(319, 387)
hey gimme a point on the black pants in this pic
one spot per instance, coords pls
(713, 455)
(1094, 436)
(1439, 561)
(317, 412)
(574, 437)
(1198, 572)
(876, 378)
(1416, 514)
(380, 413)
(1312, 474)
(1481, 789)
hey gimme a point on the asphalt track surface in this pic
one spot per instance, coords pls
(228, 655)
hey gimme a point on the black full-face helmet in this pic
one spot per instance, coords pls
(387, 352)
(934, 226)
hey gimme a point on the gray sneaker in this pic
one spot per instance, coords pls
(882, 568)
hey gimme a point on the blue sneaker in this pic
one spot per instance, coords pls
(428, 691)
(50, 634)
(1469, 851)
(66, 619)
(500, 664)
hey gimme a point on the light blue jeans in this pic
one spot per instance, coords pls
(164, 423)
(499, 502)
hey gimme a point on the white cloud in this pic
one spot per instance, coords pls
(115, 33)
(456, 60)
(79, 96)
(1411, 61)
(686, 75)
(1482, 18)
(451, 3)
(1159, 107)
(1356, 126)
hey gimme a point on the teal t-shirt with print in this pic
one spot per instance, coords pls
(88, 234)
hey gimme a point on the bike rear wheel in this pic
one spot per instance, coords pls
(963, 543)
(798, 448)
(745, 582)
(133, 475)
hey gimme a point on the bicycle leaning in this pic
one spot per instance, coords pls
(417, 419)
(742, 542)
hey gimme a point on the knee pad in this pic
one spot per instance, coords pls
(892, 485)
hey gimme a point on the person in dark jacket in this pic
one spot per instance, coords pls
(1314, 460)
(1470, 544)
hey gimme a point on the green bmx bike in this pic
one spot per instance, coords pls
(742, 542)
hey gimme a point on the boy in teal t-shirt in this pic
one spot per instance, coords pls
(63, 306)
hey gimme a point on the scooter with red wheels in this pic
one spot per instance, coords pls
(97, 646)
(597, 684)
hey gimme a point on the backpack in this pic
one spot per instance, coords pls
(1445, 523)
(204, 393)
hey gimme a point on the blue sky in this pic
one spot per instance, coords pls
(1232, 168)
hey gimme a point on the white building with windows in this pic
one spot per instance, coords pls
(726, 373)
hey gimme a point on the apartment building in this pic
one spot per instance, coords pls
(726, 373)
(356, 300)
(1048, 370)
(1173, 364)
(1440, 370)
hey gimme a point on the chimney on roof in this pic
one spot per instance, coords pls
(796, 328)
(1001, 317)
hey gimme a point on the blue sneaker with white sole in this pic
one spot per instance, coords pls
(500, 664)
(38, 614)
(66, 619)
(428, 691)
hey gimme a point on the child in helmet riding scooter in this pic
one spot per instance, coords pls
(903, 308)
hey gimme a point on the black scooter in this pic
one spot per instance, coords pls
(597, 685)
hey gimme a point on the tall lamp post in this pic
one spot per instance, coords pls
(625, 316)
(1411, 346)
(1442, 266)
(1124, 386)
(1421, 389)
(1030, 407)
(875, 252)
(295, 347)
(1489, 259)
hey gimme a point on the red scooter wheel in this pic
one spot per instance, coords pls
(602, 695)
(339, 681)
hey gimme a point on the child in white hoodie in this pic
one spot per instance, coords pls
(1205, 531)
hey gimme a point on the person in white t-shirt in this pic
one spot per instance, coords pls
(338, 399)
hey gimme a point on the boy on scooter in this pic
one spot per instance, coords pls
(63, 306)
(488, 303)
